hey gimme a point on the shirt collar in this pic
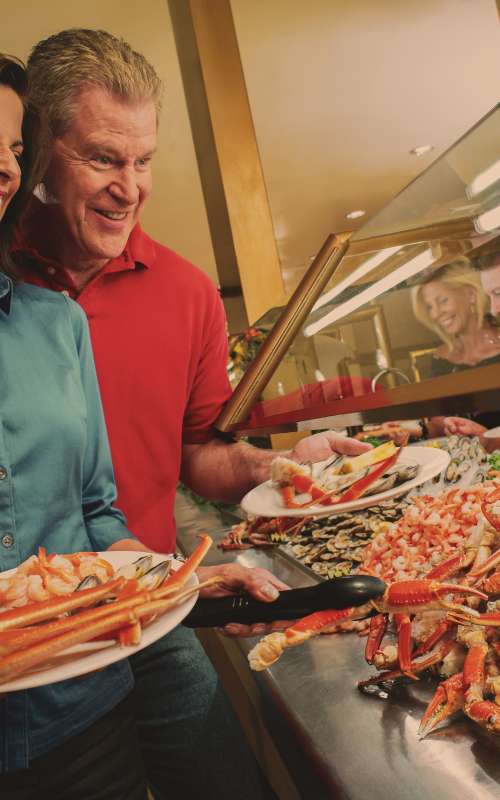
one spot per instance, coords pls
(5, 293)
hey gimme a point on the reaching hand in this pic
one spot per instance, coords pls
(258, 582)
(462, 427)
(321, 446)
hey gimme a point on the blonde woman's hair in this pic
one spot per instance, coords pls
(62, 65)
(459, 274)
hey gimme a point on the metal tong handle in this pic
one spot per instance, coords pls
(338, 593)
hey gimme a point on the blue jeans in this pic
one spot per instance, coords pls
(103, 762)
(191, 740)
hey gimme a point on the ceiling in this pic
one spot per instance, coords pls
(342, 90)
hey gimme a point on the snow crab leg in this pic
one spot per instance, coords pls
(304, 484)
(403, 597)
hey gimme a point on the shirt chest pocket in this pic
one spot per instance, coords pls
(41, 403)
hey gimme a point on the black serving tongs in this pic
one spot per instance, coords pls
(338, 593)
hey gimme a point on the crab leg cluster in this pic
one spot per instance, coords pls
(35, 633)
(463, 627)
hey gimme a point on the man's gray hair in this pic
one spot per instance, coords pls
(60, 66)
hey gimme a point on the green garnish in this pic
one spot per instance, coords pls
(494, 460)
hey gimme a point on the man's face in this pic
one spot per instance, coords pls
(490, 279)
(100, 174)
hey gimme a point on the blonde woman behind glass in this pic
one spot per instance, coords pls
(453, 304)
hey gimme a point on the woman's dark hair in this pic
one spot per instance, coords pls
(13, 75)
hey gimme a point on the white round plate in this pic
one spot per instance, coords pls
(84, 658)
(265, 500)
(493, 433)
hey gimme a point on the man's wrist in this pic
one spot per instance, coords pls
(259, 463)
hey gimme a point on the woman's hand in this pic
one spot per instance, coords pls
(462, 427)
(258, 582)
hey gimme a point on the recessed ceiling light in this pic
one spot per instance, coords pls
(421, 150)
(360, 212)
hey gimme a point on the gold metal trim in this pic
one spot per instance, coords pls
(429, 233)
(414, 356)
(278, 341)
(474, 389)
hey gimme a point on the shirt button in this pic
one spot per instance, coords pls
(51, 270)
(65, 292)
(3, 473)
(7, 540)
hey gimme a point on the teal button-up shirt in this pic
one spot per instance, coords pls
(56, 490)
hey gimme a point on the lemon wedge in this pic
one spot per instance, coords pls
(369, 458)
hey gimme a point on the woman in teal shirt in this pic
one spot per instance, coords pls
(74, 739)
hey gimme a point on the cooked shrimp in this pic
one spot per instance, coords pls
(36, 590)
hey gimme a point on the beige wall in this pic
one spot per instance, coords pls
(340, 92)
(175, 214)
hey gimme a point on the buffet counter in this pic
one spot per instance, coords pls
(315, 734)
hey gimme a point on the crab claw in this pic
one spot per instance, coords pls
(485, 713)
(447, 700)
(492, 517)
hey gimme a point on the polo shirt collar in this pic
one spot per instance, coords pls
(5, 293)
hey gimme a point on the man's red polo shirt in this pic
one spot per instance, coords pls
(159, 337)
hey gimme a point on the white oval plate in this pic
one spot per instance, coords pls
(265, 500)
(88, 657)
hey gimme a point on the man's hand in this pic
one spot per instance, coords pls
(462, 427)
(258, 582)
(321, 446)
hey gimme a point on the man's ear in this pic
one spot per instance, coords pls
(41, 193)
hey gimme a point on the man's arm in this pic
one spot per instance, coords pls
(220, 471)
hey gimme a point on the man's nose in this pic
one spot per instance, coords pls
(124, 187)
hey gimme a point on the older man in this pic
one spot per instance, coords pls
(158, 332)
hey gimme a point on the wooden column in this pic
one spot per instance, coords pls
(228, 158)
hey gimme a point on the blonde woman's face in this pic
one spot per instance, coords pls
(11, 145)
(448, 307)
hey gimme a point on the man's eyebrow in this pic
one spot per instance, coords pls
(102, 147)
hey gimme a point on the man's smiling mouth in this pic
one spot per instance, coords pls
(116, 215)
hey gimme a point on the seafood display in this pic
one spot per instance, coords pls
(442, 604)
(430, 530)
(468, 464)
(331, 546)
(341, 479)
(335, 546)
(115, 605)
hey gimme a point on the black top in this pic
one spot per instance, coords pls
(440, 366)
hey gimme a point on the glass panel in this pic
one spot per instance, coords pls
(463, 182)
(407, 310)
